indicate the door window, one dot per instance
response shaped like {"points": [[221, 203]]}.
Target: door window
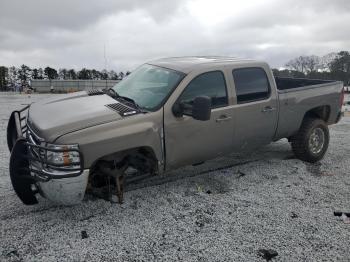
{"points": [[211, 84], [251, 84]]}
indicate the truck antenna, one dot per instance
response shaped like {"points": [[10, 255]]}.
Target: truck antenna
{"points": [[105, 58]]}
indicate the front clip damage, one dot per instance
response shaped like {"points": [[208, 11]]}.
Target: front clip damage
{"points": [[108, 175], [114, 175]]}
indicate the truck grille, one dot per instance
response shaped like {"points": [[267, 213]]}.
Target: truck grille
{"points": [[35, 151], [36, 140], [123, 110]]}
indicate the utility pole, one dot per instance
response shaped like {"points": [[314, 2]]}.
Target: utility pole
{"points": [[105, 58]]}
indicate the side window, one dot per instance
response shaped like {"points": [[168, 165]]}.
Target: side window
{"points": [[210, 84], [251, 84]]}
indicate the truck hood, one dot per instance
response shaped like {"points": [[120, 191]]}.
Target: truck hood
{"points": [[54, 117]]}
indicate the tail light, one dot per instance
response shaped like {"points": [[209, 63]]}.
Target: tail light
{"points": [[342, 96]]}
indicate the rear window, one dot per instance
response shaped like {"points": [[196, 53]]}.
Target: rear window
{"points": [[251, 84]]}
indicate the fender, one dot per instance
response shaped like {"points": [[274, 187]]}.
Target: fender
{"points": [[98, 141]]}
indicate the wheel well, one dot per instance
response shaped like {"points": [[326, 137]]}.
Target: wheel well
{"points": [[322, 112], [142, 158], [110, 171]]}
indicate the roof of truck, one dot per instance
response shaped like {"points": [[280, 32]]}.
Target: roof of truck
{"points": [[188, 63]]}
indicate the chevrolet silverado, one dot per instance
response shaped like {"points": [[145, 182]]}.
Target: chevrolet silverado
{"points": [[166, 114]]}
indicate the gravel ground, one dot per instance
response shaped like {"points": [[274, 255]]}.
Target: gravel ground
{"points": [[264, 200]]}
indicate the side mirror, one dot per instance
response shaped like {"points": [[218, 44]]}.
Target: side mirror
{"points": [[200, 109]]}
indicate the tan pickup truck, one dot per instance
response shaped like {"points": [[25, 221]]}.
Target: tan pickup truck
{"points": [[166, 114]]}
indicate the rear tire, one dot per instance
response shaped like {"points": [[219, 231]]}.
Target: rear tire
{"points": [[311, 142]]}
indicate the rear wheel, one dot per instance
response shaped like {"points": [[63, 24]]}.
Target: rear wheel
{"points": [[311, 142]]}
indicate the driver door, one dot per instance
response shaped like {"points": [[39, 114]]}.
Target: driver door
{"points": [[190, 141]]}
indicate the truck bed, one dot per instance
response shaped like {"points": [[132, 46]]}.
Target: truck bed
{"points": [[284, 83], [299, 96]]}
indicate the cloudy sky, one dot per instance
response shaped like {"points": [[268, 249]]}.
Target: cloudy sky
{"points": [[74, 34]]}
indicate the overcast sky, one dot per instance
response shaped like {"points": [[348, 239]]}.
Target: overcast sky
{"points": [[73, 34]]}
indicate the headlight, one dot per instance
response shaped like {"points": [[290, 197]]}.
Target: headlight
{"points": [[66, 156]]}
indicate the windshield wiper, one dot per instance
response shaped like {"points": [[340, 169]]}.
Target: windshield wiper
{"points": [[132, 101], [111, 92]]}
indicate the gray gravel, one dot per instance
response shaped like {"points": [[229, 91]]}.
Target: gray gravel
{"points": [[266, 200]]}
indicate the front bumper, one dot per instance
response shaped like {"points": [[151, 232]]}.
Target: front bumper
{"points": [[32, 173], [65, 191]]}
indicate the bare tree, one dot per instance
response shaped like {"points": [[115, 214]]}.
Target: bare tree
{"points": [[63, 73], [3, 77], [312, 63], [12, 76], [304, 64]]}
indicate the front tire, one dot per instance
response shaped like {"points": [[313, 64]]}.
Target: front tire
{"points": [[311, 142]]}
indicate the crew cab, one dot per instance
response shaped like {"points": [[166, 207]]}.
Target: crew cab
{"points": [[166, 114]]}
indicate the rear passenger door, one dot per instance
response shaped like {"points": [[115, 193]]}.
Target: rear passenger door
{"points": [[256, 108]]}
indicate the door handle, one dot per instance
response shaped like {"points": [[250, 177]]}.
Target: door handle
{"points": [[267, 109], [223, 118]]}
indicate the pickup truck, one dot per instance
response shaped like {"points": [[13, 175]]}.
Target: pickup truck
{"points": [[166, 114]]}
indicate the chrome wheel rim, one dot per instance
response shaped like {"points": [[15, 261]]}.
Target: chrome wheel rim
{"points": [[316, 140]]}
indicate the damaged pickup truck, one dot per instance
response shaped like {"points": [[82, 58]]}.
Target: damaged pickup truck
{"points": [[166, 114]]}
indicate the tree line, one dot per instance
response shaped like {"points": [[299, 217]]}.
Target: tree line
{"points": [[21, 76], [333, 66]]}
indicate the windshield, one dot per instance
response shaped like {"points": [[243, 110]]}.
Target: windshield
{"points": [[149, 85]]}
